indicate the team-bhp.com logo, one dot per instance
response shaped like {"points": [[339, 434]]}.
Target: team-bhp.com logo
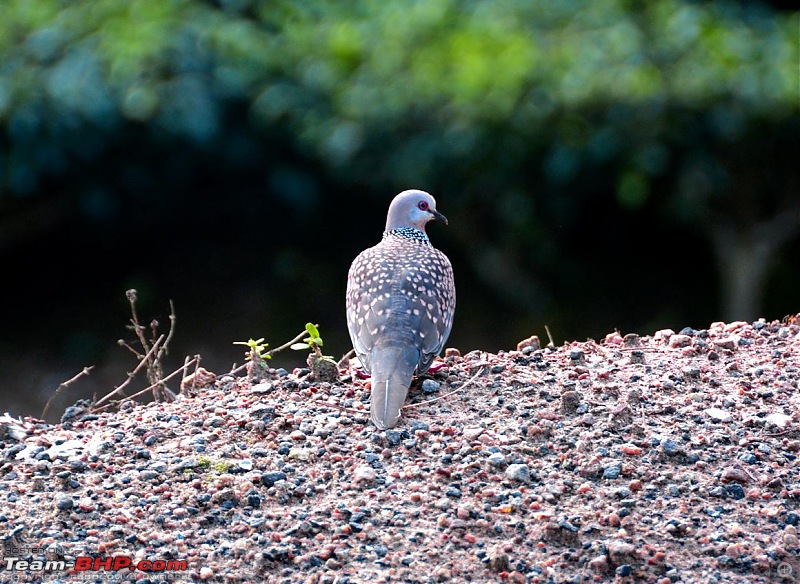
{"points": [[85, 563], [90, 564]]}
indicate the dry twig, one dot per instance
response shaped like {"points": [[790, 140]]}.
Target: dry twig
{"points": [[132, 374], [152, 360], [552, 343], [65, 385], [146, 389], [186, 363]]}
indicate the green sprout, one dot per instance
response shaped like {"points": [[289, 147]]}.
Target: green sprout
{"points": [[258, 349], [322, 366], [313, 341], [256, 356]]}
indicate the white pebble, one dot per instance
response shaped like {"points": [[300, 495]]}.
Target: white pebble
{"points": [[779, 420], [364, 474], [718, 415], [206, 573]]}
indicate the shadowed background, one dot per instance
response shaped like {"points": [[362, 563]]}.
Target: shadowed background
{"points": [[603, 165]]}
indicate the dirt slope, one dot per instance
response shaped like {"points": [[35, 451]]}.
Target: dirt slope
{"points": [[671, 458]]}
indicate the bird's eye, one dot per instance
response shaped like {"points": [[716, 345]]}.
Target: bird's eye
{"points": [[423, 205]]}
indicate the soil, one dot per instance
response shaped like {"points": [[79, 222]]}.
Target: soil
{"points": [[663, 458]]}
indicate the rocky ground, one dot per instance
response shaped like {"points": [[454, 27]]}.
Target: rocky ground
{"points": [[670, 458]]}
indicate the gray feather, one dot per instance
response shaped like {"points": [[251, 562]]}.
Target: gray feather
{"points": [[394, 367]]}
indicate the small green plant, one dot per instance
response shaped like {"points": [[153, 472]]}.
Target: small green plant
{"points": [[323, 367], [258, 349], [205, 463], [222, 467], [313, 341], [256, 356]]}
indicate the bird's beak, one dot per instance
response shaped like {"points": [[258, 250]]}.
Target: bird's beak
{"points": [[439, 217]]}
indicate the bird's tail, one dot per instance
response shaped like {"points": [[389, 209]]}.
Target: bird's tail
{"points": [[392, 369]]}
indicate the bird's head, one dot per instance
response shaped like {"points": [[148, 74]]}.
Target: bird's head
{"points": [[413, 208]]}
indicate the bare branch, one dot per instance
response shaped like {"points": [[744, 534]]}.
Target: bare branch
{"points": [[172, 321], [65, 385], [145, 390], [551, 344], [186, 363], [144, 360], [289, 344], [137, 328], [236, 369], [167, 378]]}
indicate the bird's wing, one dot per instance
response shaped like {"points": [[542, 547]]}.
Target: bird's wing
{"points": [[439, 303], [366, 304], [400, 305]]}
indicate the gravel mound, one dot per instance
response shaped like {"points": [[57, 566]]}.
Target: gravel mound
{"points": [[667, 458]]}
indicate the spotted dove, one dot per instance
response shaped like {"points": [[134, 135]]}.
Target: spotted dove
{"points": [[400, 303]]}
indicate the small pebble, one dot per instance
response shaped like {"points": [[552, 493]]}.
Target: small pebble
{"points": [[64, 503], [670, 447], [393, 437], [518, 472], [430, 386], [497, 459], [612, 471], [718, 415], [620, 551], [679, 341], [206, 573], [270, 478], [443, 504], [631, 340], [577, 356], [728, 343], [364, 474], [778, 420], [472, 433], [623, 570]]}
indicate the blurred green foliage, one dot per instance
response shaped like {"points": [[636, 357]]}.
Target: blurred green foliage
{"points": [[580, 81]]}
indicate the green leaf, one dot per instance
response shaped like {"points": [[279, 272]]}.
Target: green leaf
{"points": [[312, 330], [252, 344], [300, 346]]}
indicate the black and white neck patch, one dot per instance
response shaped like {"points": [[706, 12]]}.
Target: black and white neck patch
{"points": [[407, 233]]}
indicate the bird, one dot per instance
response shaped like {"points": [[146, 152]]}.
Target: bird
{"points": [[400, 303]]}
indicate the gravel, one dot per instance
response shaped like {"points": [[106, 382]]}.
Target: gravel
{"points": [[663, 458]]}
